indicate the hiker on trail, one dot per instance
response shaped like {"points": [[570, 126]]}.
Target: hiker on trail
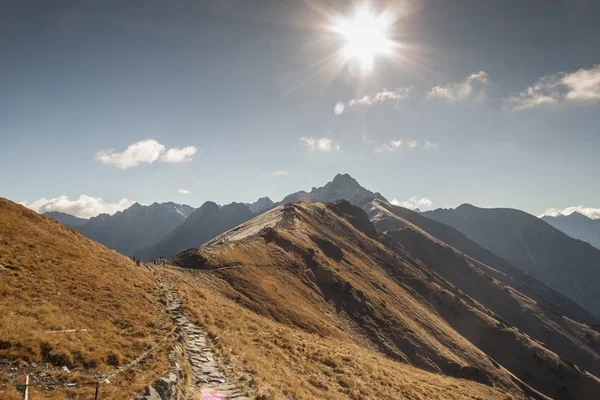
{"points": [[137, 263]]}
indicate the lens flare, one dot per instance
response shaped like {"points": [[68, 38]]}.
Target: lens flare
{"points": [[366, 36]]}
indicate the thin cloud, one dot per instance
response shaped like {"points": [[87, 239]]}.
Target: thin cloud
{"points": [[177, 156], [84, 207], [324, 145], [145, 152], [430, 145], [183, 191], [281, 172], [393, 145], [473, 87], [413, 203], [593, 213], [384, 96], [581, 86]]}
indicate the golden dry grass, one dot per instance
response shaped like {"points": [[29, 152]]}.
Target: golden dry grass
{"points": [[286, 362], [52, 278]]}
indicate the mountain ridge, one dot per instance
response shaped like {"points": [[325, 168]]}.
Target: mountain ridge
{"points": [[567, 265]]}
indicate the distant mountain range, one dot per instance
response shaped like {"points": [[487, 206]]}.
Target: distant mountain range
{"points": [[202, 225], [68, 220], [577, 226], [567, 265], [136, 227]]}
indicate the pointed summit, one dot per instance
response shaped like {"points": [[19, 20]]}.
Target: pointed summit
{"points": [[342, 187]]}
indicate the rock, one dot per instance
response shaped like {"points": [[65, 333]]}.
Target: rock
{"points": [[151, 394]]}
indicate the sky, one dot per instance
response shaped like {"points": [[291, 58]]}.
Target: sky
{"points": [[447, 102]]}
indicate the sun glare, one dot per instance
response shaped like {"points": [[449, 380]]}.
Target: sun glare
{"points": [[366, 36]]}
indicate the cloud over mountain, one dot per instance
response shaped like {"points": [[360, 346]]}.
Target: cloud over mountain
{"points": [[581, 86], [145, 152], [593, 213], [473, 87], [84, 207], [324, 145], [412, 203], [384, 96]]}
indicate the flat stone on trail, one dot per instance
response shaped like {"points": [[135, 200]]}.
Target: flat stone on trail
{"points": [[207, 382]]}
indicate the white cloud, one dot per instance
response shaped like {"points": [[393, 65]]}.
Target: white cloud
{"points": [[176, 155], [145, 152], [339, 108], [430, 145], [393, 145], [581, 86], [324, 145], [383, 96], [281, 172], [83, 207], [593, 213], [471, 88], [412, 203], [183, 191]]}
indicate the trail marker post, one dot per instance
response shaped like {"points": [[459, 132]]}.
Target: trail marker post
{"points": [[26, 394], [97, 387]]}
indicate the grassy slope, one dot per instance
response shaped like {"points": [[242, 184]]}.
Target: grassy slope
{"points": [[53, 278], [325, 362]]}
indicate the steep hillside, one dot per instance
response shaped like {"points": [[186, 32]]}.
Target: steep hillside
{"points": [[323, 269], [54, 279], [137, 227], [577, 226], [535, 315], [202, 225], [567, 265], [386, 216], [68, 220]]}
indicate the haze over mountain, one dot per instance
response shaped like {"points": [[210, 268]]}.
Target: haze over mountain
{"points": [[324, 268], [567, 265], [577, 226], [67, 220], [136, 227]]}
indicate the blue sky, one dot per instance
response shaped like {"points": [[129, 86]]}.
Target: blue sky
{"points": [[491, 103]]}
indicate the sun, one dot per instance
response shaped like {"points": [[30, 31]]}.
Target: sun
{"points": [[366, 36]]}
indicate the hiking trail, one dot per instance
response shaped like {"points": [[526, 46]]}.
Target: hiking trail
{"points": [[205, 380]]}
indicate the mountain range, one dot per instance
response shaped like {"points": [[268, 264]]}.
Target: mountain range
{"points": [[132, 229], [513, 244], [577, 226]]}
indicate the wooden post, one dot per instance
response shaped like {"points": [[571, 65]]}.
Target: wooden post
{"points": [[97, 387], [26, 395]]}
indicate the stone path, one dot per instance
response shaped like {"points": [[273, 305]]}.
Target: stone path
{"points": [[206, 380]]}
